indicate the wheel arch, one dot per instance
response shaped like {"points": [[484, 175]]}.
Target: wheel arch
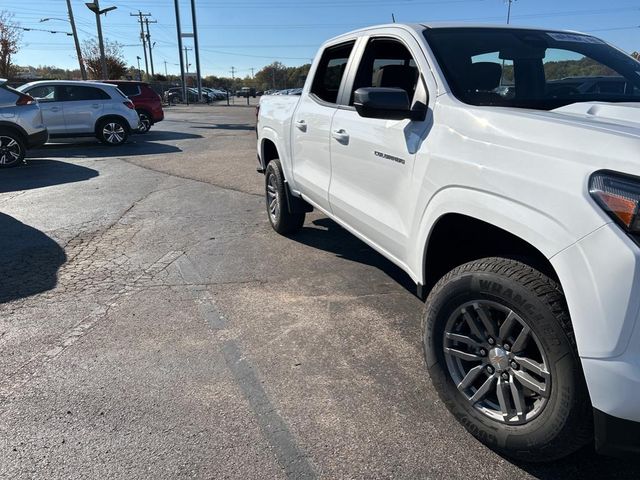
{"points": [[8, 126], [448, 247], [268, 151]]}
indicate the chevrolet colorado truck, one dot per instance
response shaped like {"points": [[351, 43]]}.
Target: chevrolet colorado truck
{"points": [[500, 168]]}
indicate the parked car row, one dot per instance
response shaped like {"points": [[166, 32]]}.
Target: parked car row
{"points": [[38, 111], [175, 95], [288, 91]]}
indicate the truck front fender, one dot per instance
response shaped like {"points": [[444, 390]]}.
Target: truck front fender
{"points": [[541, 231]]}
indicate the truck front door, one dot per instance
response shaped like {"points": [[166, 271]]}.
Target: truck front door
{"points": [[373, 159]]}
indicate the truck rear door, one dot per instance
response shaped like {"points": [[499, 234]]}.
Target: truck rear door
{"points": [[312, 124]]}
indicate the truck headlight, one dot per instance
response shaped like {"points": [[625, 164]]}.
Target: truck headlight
{"points": [[618, 195]]}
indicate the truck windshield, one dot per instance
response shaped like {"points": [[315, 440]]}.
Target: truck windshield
{"points": [[532, 68]]}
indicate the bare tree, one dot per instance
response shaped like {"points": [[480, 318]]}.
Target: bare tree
{"points": [[113, 53], [10, 36], [636, 55]]}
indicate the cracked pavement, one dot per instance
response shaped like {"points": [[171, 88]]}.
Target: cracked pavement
{"points": [[152, 325]]}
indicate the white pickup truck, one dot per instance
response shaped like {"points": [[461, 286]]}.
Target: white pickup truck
{"points": [[500, 168]]}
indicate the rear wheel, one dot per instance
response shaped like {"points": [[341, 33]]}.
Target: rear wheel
{"points": [[145, 122], [12, 149], [112, 132], [501, 354], [282, 220]]}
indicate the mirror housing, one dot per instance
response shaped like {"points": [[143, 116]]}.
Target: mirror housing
{"points": [[386, 104]]}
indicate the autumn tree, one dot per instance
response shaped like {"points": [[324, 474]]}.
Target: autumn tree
{"points": [[116, 65], [636, 55], [10, 36], [278, 75]]}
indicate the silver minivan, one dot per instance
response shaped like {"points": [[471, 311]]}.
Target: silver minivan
{"points": [[79, 109]]}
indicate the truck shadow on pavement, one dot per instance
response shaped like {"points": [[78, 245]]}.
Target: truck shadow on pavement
{"points": [[43, 173], [585, 464], [29, 262], [331, 237]]}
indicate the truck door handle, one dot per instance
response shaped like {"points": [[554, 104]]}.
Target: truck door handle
{"points": [[341, 136], [95, 105], [301, 125], [55, 109]]}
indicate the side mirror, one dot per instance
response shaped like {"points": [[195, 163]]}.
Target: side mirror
{"points": [[385, 103]]}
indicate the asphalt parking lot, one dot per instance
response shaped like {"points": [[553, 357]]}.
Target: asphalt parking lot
{"points": [[152, 325]]}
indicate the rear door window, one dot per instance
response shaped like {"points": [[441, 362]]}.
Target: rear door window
{"points": [[75, 93], [44, 93], [330, 72]]}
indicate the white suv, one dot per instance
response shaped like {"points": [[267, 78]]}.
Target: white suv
{"points": [[79, 109]]}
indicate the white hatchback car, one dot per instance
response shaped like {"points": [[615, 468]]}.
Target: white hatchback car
{"points": [[79, 109]]}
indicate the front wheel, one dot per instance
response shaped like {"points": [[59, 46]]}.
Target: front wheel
{"points": [[12, 149], [501, 354], [112, 132], [282, 220]]}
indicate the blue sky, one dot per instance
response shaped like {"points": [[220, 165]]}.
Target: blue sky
{"points": [[249, 34]]}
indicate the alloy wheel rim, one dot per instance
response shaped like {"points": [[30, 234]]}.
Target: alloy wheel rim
{"points": [[497, 362], [10, 150], [273, 202], [145, 123], [113, 132]]}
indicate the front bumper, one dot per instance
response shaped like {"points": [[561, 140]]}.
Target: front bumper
{"points": [[616, 436], [38, 139], [600, 276]]}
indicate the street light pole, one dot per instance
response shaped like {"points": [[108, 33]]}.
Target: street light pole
{"points": [[184, 80], [95, 8], [197, 49], [83, 71], [139, 71]]}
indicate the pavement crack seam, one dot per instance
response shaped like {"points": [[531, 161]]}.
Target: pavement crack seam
{"points": [[184, 177], [274, 428]]}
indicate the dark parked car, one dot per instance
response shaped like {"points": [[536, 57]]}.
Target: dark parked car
{"points": [[146, 101]]}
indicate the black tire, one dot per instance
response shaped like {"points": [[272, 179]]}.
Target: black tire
{"points": [[563, 422], [145, 122], [12, 149], [112, 131], [282, 221]]}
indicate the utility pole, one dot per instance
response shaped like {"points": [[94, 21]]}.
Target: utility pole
{"points": [[147, 22], [95, 8], [509, 11], [252, 75], [166, 73], [184, 83], [233, 73], [140, 16], [186, 57], [83, 71], [197, 49], [186, 61], [139, 71]]}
